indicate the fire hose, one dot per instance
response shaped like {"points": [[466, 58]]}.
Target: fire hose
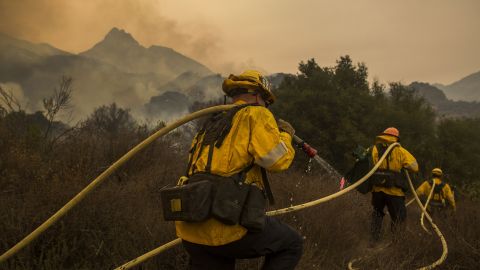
{"points": [[434, 226], [170, 244], [425, 207], [97, 181], [82, 194], [311, 153], [444, 255]]}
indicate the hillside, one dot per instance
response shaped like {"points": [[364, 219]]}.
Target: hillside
{"points": [[19, 50], [18, 56], [466, 89], [121, 50], [444, 106], [179, 94], [117, 69]]}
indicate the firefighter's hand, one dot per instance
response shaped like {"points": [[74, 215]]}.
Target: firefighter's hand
{"points": [[286, 127]]}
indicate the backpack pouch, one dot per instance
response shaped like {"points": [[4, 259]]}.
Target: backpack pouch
{"points": [[228, 201], [253, 214], [190, 202]]}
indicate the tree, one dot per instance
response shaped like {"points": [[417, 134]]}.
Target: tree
{"points": [[459, 151], [8, 102], [113, 124], [335, 109], [58, 101]]}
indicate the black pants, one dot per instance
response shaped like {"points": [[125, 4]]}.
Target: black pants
{"points": [[396, 209], [280, 244]]}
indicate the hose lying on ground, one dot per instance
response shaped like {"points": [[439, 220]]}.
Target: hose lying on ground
{"points": [[435, 228], [79, 197], [439, 233], [170, 244]]}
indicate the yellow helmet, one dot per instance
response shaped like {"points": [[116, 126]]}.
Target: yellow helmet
{"points": [[250, 81], [437, 172]]}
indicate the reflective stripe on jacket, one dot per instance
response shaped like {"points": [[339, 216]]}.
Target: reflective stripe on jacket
{"points": [[253, 137], [399, 158], [446, 193]]}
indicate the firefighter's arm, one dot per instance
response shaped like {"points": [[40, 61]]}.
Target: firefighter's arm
{"points": [[422, 190], [448, 194], [270, 148], [408, 161]]}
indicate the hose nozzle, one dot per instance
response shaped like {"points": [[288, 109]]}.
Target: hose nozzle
{"points": [[310, 151]]}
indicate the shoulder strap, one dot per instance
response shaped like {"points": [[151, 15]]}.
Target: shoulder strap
{"points": [[191, 153], [266, 185], [438, 188], [208, 167], [214, 131], [381, 148]]}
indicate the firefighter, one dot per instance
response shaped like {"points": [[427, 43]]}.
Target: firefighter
{"points": [[255, 143], [442, 197], [389, 183]]}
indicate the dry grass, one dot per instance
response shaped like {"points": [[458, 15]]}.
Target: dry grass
{"points": [[338, 231], [122, 218]]}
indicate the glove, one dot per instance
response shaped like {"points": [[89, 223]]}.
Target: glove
{"points": [[286, 127]]}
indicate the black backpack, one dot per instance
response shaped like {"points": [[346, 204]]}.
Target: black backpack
{"points": [[438, 190], [363, 164]]}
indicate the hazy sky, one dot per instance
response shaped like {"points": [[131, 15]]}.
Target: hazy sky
{"points": [[402, 40]]}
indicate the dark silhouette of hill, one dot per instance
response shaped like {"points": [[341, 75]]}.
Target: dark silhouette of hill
{"points": [[24, 51], [444, 106], [167, 104], [188, 88], [466, 89], [147, 80], [18, 56], [120, 49], [117, 69]]}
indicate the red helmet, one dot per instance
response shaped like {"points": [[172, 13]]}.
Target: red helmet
{"points": [[392, 132]]}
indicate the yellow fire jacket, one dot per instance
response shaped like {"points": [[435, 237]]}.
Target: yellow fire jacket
{"points": [[399, 158], [254, 137], [446, 193]]}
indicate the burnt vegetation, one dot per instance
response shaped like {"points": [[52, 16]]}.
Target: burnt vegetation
{"points": [[44, 163]]}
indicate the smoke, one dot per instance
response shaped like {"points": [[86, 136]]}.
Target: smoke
{"points": [[231, 67], [76, 26], [19, 96]]}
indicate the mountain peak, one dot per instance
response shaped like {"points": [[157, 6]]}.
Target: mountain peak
{"points": [[121, 50], [120, 36]]}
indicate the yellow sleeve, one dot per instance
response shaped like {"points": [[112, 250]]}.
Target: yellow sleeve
{"points": [[448, 194], [423, 189], [270, 148], [408, 161]]}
